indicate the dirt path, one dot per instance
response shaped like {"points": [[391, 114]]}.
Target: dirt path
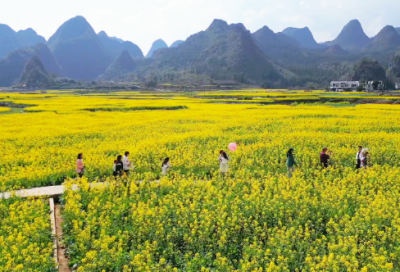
{"points": [[62, 260]]}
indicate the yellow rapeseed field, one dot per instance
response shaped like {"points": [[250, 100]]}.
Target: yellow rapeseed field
{"points": [[253, 219], [25, 236], [40, 148]]}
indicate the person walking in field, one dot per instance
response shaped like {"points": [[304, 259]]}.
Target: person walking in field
{"points": [[127, 164], [80, 167], [290, 162], [165, 166], [118, 167], [364, 158], [115, 166], [325, 156], [358, 157], [223, 162]]}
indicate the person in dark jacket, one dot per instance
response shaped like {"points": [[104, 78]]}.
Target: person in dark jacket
{"points": [[290, 162], [358, 157], [325, 157], [118, 167]]}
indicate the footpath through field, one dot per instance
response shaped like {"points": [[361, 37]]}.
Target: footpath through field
{"points": [[49, 191], [41, 191], [55, 215]]}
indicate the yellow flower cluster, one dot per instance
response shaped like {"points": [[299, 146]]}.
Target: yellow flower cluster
{"points": [[329, 220], [4, 109], [25, 236]]}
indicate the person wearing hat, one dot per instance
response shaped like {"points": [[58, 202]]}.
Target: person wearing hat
{"points": [[290, 162]]}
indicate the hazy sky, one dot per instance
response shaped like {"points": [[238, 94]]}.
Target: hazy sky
{"points": [[144, 21]]}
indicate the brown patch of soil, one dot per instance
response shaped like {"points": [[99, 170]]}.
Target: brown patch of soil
{"points": [[63, 261]]}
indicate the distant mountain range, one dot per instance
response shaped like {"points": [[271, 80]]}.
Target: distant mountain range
{"points": [[176, 43], [11, 40], [123, 65], [35, 74], [220, 53], [115, 46], [276, 46], [388, 39], [12, 67], [79, 50], [352, 37], [159, 44], [303, 36]]}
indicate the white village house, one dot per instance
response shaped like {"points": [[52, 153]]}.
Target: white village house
{"points": [[353, 86], [341, 86]]}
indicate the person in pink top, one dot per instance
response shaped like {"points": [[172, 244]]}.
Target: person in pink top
{"points": [[80, 167]]}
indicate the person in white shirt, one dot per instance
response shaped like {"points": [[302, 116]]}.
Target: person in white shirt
{"points": [[358, 157], [127, 164], [223, 162], [165, 166]]}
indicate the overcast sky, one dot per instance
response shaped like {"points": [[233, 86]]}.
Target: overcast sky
{"points": [[144, 21]]}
